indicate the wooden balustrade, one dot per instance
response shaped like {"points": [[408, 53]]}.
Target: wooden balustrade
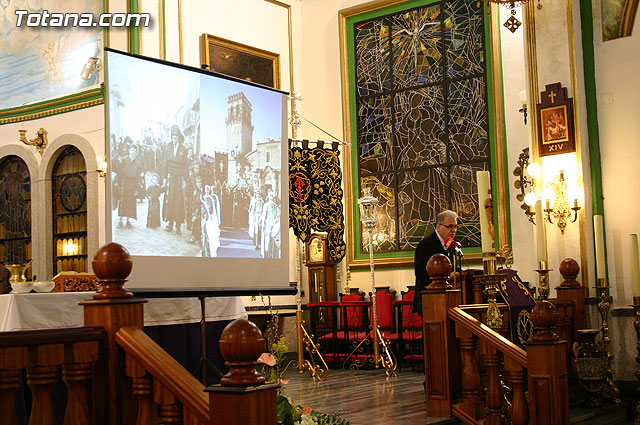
{"points": [[42, 353], [541, 369], [157, 377]]}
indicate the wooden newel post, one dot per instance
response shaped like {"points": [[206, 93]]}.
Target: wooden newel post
{"points": [[547, 369], [571, 289], [242, 397], [441, 351], [113, 307]]}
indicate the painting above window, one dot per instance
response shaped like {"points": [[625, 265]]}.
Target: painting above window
{"points": [[421, 121]]}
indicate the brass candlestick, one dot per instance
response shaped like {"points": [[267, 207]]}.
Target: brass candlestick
{"points": [[609, 390], [543, 280], [636, 324]]}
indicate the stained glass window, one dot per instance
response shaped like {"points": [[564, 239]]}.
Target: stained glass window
{"points": [[15, 215], [69, 190], [421, 111]]}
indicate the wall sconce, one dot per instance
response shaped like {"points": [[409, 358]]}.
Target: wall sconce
{"points": [[557, 203], [527, 197], [40, 141], [102, 166], [523, 100], [92, 64], [555, 195]]}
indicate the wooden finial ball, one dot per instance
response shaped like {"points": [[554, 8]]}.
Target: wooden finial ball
{"points": [[112, 262], [241, 340], [569, 268], [439, 266], [544, 314]]}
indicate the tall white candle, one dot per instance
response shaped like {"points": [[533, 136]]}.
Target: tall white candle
{"points": [[598, 234], [635, 264], [541, 233], [484, 190]]}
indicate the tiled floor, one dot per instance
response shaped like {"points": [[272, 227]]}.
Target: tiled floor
{"points": [[364, 397]]}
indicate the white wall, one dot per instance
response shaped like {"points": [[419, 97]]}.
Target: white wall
{"points": [[618, 95]]}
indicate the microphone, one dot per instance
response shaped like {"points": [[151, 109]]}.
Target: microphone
{"points": [[450, 243]]}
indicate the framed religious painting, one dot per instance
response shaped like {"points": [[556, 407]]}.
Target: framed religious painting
{"points": [[241, 61], [555, 121]]}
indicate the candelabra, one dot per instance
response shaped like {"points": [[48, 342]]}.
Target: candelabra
{"points": [[559, 209], [543, 280], [609, 390], [490, 280], [382, 354], [636, 324]]}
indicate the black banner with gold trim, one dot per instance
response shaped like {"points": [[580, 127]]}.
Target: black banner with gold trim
{"points": [[315, 195]]}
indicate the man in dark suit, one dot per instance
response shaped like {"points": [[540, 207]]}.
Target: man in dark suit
{"points": [[446, 226], [174, 172]]}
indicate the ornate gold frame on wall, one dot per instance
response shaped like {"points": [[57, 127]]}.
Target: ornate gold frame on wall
{"points": [[500, 195], [252, 53]]}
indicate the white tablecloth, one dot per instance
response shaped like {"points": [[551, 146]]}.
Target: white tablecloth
{"points": [[62, 310]]}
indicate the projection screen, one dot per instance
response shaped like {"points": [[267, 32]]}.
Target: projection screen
{"points": [[198, 177]]}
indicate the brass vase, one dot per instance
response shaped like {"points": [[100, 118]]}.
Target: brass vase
{"points": [[591, 365], [18, 272]]}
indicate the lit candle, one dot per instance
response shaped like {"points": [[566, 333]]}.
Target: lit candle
{"points": [[598, 235], [635, 265], [541, 234], [484, 190]]}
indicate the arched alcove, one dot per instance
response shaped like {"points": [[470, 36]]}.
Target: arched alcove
{"points": [[45, 221]]}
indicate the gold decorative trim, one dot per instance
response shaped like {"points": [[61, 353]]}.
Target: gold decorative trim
{"points": [[180, 39], [290, 35], [405, 262], [51, 111], [584, 263], [140, 29], [161, 29], [498, 126], [346, 125]]}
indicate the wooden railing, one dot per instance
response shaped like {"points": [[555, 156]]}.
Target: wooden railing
{"points": [[116, 375], [157, 378], [469, 331], [77, 352], [468, 365]]}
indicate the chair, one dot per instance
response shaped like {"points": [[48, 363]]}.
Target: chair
{"points": [[384, 307], [408, 339], [324, 327]]}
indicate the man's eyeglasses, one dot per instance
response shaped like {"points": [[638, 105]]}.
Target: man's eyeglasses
{"points": [[450, 226]]}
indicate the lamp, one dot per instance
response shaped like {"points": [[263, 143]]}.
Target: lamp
{"points": [[555, 195], [92, 64], [523, 100], [368, 219], [102, 166], [557, 203], [512, 24]]}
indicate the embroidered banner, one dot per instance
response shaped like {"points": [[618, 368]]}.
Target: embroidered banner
{"points": [[315, 195], [520, 302]]}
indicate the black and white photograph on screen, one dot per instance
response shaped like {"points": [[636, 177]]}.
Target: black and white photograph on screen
{"points": [[197, 174]]}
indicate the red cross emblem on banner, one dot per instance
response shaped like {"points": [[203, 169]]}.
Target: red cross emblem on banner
{"points": [[299, 187]]}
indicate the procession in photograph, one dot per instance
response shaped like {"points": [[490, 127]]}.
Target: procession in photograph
{"points": [[181, 187]]}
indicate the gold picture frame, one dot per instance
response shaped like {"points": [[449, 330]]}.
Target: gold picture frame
{"points": [[241, 61]]}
